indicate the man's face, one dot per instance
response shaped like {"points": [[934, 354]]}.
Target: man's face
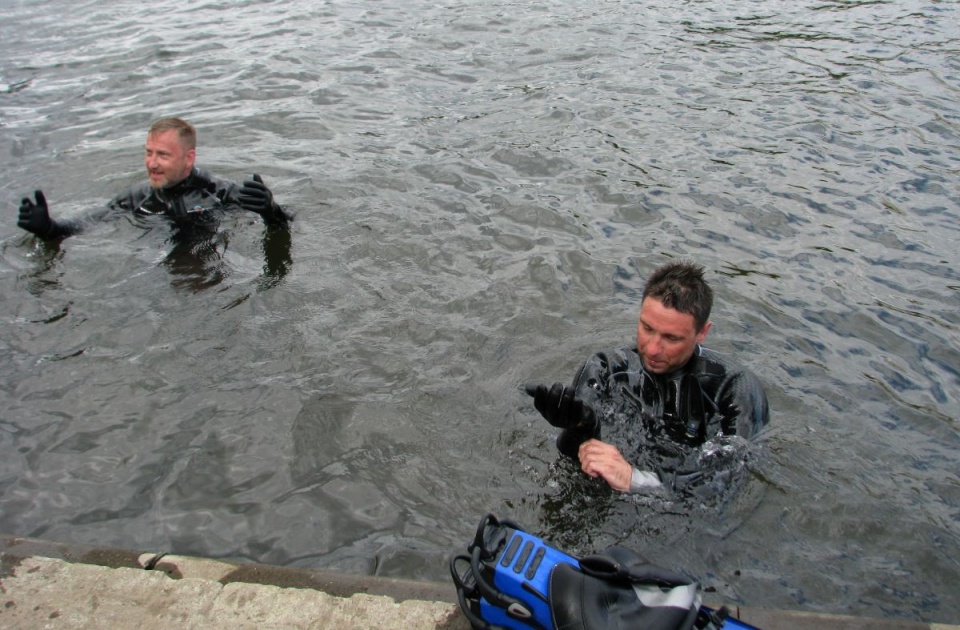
{"points": [[166, 159], [666, 338]]}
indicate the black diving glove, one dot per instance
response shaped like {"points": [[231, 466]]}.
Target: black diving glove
{"points": [[561, 408], [256, 197], [35, 217]]}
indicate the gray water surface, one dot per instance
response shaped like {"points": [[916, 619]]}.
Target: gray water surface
{"points": [[482, 189]]}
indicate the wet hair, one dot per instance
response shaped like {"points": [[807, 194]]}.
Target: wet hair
{"points": [[680, 286], [185, 131]]}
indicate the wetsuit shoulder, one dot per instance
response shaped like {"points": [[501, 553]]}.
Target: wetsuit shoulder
{"points": [[208, 183], [130, 199], [594, 374], [736, 391]]}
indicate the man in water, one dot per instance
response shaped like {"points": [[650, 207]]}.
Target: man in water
{"points": [[660, 399], [189, 197]]}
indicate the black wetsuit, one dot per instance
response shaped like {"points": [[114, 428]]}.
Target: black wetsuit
{"points": [[196, 203], [657, 420]]}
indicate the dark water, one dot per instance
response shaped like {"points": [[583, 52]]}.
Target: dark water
{"points": [[482, 189]]}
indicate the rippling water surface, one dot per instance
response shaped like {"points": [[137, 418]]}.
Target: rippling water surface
{"points": [[481, 190]]}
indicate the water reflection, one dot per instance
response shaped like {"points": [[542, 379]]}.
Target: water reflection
{"points": [[277, 260], [44, 259], [585, 514], [197, 261]]}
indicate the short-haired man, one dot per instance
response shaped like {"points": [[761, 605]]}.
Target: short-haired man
{"points": [[177, 189], [668, 388]]}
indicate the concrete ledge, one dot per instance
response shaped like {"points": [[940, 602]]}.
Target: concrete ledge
{"points": [[53, 585], [13, 549], [51, 593]]}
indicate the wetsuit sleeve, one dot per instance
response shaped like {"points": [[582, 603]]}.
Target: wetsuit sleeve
{"points": [[65, 227], [50, 229], [127, 201], [742, 405], [590, 384], [281, 217], [644, 481], [62, 228]]}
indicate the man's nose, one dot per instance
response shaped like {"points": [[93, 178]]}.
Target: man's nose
{"points": [[653, 346]]}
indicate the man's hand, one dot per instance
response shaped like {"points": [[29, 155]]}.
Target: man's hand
{"points": [[561, 408], [256, 197], [35, 217], [599, 459]]}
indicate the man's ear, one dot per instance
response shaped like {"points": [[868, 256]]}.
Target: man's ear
{"points": [[703, 332]]}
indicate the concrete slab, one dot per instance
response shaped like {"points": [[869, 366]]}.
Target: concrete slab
{"points": [[51, 593], [53, 585]]}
